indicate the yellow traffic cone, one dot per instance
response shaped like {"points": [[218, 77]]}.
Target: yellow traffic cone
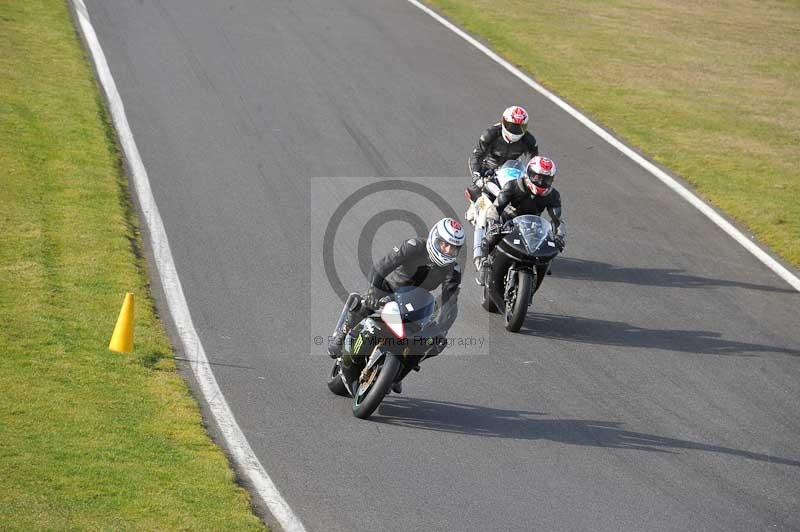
{"points": [[122, 339]]}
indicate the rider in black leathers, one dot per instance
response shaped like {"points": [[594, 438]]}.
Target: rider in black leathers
{"points": [[416, 262], [531, 194], [506, 140]]}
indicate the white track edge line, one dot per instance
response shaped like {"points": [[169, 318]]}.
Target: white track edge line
{"points": [[685, 193], [239, 448]]}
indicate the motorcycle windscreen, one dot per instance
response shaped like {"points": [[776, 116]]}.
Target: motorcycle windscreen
{"points": [[510, 171], [534, 230], [416, 305]]}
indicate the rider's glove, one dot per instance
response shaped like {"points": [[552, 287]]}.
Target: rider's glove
{"points": [[477, 179], [372, 299], [493, 227], [559, 240]]}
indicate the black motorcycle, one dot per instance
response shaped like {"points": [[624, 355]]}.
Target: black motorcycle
{"points": [[385, 346], [517, 266]]}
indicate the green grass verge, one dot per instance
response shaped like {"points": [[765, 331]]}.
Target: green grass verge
{"points": [[88, 439], [709, 89]]}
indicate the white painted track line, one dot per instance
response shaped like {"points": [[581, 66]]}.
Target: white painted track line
{"points": [[685, 193], [235, 440]]}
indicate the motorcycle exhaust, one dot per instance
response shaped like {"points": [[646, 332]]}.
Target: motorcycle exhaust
{"points": [[351, 304]]}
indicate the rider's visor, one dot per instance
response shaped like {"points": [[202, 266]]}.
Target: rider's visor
{"points": [[543, 181], [446, 248], [514, 129]]}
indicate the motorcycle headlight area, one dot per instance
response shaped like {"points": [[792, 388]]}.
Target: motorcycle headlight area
{"points": [[391, 316]]}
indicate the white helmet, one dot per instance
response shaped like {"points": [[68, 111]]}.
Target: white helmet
{"points": [[444, 241], [514, 123]]}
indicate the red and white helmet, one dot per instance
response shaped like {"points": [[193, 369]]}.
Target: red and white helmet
{"points": [[444, 241], [514, 123], [539, 175]]}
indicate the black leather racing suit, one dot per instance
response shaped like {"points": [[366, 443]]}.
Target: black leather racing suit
{"points": [[515, 200], [409, 265], [492, 150]]}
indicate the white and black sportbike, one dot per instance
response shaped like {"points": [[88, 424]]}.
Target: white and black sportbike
{"points": [[385, 346], [479, 198], [517, 266]]}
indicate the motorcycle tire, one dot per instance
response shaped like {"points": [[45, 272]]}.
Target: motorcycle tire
{"points": [[515, 316], [335, 382], [486, 302], [365, 403]]}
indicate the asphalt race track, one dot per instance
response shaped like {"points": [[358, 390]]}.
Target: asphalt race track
{"points": [[654, 385]]}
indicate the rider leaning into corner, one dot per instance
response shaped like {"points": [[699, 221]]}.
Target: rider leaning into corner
{"points": [[533, 193], [506, 140], [427, 263]]}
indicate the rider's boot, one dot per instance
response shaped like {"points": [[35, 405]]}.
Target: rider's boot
{"points": [[351, 315], [482, 265], [397, 387], [337, 343]]}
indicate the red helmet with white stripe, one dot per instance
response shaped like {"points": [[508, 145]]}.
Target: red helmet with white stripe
{"points": [[444, 241], [539, 175], [514, 123]]}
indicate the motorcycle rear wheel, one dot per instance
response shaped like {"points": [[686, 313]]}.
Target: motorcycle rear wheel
{"points": [[365, 401], [515, 315]]}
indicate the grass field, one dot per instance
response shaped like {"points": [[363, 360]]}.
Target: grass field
{"points": [[708, 89], [88, 439]]}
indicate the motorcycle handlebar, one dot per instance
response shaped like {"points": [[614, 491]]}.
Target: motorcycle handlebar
{"points": [[381, 302]]}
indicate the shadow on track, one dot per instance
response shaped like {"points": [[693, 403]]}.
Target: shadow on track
{"points": [[473, 420], [604, 332], [590, 270]]}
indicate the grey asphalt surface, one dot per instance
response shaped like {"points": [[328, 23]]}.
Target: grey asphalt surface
{"points": [[655, 383]]}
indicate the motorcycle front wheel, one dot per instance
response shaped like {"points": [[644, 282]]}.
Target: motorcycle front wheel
{"points": [[486, 302], [370, 392], [517, 306]]}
